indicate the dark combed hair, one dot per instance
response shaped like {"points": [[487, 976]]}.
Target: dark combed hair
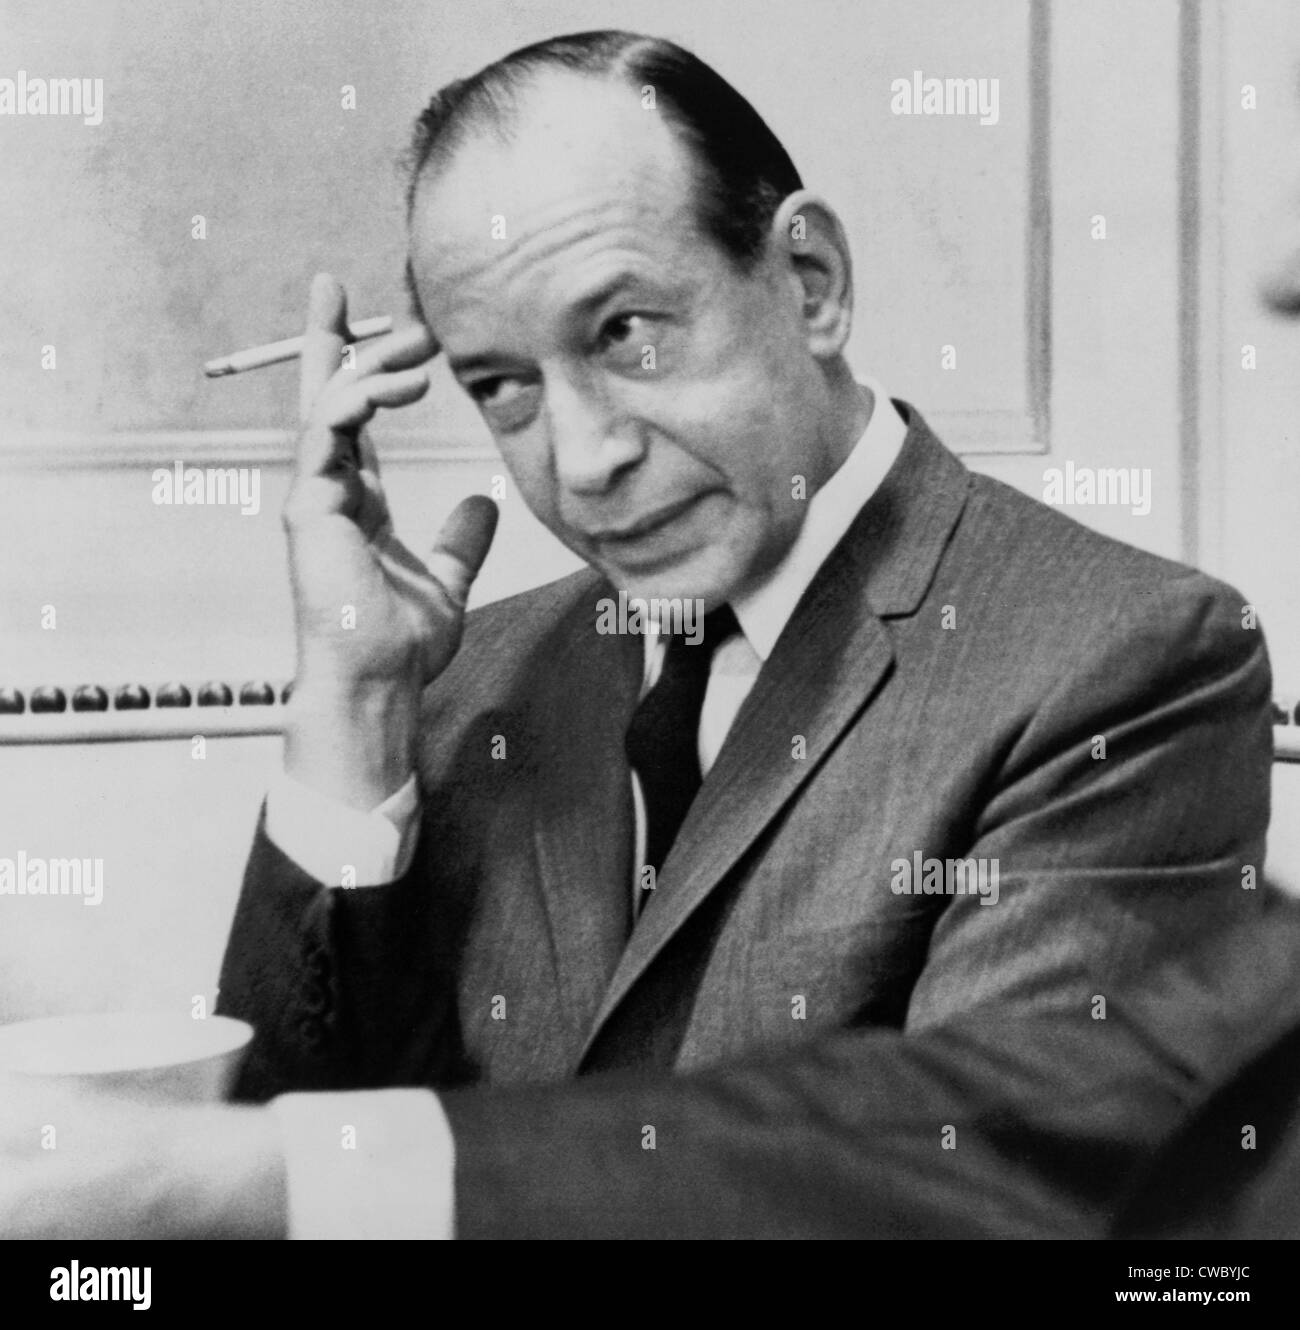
{"points": [[742, 171]]}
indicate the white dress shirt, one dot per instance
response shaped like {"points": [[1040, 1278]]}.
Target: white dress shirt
{"points": [[395, 1178]]}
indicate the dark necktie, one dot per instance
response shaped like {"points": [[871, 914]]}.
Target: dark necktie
{"points": [[663, 739]]}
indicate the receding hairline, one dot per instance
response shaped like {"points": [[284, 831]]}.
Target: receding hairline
{"points": [[737, 171], [501, 122], [502, 127]]}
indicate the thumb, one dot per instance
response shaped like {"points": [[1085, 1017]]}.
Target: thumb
{"points": [[462, 545]]}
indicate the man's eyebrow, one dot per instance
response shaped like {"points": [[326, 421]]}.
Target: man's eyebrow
{"points": [[614, 285], [574, 312], [464, 364]]}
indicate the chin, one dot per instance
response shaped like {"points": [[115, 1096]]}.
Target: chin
{"points": [[710, 576]]}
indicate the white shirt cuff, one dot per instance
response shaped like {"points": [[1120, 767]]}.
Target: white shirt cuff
{"points": [[339, 845], [367, 1164]]}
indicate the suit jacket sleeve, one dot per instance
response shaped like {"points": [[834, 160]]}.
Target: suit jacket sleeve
{"points": [[312, 969], [1011, 1103]]}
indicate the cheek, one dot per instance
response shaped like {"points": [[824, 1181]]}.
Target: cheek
{"points": [[735, 430], [533, 477], [735, 400]]}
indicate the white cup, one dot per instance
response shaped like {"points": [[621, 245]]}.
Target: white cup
{"points": [[155, 1055]]}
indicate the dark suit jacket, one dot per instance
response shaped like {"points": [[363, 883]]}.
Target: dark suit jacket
{"points": [[1233, 1169], [1120, 879]]}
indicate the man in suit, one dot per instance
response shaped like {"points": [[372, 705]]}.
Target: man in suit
{"points": [[924, 666], [918, 898]]}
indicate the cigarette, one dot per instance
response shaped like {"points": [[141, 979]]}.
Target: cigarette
{"points": [[273, 353]]}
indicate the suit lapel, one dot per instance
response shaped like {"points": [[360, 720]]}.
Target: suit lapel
{"points": [[583, 821], [830, 660]]}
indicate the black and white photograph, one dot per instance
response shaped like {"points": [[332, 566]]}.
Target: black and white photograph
{"points": [[627, 621]]}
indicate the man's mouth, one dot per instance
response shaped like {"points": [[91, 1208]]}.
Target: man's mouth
{"points": [[661, 537], [651, 523]]}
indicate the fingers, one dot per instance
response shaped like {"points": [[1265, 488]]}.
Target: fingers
{"points": [[369, 457], [337, 468], [410, 344], [389, 374], [462, 546], [329, 395], [325, 336], [444, 579], [351, 405]]}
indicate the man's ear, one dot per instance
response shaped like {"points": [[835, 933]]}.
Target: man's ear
{"points": [[807, 235]]}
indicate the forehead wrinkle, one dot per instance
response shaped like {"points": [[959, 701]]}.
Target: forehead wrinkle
{"points": [[581, 240], [542, 240], [581, 188]]}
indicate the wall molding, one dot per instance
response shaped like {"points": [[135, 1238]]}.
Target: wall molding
{"points": [[970, 433], [129, 451]]}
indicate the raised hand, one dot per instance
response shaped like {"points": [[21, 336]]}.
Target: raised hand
{"points": [[374, 623]]}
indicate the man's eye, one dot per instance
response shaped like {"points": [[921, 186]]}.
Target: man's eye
{"points": [[488, 391], [621, 328], [507, 401]]}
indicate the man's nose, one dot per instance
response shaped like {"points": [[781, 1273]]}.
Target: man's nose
{"points": [[594, 440]]}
